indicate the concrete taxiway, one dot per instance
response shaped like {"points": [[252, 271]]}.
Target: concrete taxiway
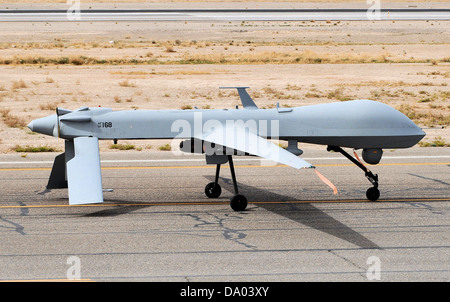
{"points": [[158, 225], [72, 14]]}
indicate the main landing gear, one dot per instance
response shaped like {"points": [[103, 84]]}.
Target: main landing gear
{"points": [[213, 190], [372, 193]]}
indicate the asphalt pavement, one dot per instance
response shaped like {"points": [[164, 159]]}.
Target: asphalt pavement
{"points": [[158, 225]]}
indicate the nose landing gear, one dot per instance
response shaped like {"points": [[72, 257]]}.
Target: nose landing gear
{"points": [[372, 193]]}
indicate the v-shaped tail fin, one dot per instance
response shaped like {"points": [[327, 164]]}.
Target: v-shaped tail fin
{"points": [[246, 100]]}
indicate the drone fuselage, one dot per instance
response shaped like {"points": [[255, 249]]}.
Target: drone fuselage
{"points": [[360, 124]]}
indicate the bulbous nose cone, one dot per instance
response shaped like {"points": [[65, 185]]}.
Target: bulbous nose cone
{"points": [[43, 125]]}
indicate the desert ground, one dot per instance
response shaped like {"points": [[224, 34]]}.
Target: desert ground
{"points": [[181, 65]]}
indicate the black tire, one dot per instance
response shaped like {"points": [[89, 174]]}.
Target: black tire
{"points": [[213, 190], [373, 194], [238, 203]]}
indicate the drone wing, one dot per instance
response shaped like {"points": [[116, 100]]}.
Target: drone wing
{"points": [[242, 139]]}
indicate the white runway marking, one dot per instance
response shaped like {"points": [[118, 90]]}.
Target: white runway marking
{"points": [[223, 15]]}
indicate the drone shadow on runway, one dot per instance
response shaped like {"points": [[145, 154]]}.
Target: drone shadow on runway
{"points": [[116, 210], [304, 213]]}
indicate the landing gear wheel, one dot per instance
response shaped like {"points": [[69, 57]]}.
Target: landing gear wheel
{"points": [[238, 202], [213, 190], [373, 194]]}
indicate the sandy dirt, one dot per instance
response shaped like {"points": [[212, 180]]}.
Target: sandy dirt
{"points": [[415, 78]]}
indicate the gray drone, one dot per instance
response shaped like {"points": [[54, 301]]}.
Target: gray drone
{"points": [[221, 134]]}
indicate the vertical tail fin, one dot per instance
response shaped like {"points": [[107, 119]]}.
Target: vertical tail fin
{"points": [[57, 178], [83, 172]]}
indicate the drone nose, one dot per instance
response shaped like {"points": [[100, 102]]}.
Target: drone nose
{"points": [[30, 126], [43, 125]]}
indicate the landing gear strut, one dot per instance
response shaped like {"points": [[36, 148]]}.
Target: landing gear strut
{"points": [[213, 190], [372, 193]]}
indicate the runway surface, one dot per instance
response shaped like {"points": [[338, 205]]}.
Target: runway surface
{"points": [[158, 225], [223, 15]]}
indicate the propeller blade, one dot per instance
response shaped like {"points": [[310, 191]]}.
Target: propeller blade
{"points": [[56, 130]]}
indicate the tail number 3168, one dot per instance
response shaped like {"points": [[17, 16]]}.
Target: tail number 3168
{"points": [[104, 124]]}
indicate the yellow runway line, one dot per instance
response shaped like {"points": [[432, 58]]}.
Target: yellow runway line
{"points": [[213, 166], [187, 203], [25, 169], [48, 280]]}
